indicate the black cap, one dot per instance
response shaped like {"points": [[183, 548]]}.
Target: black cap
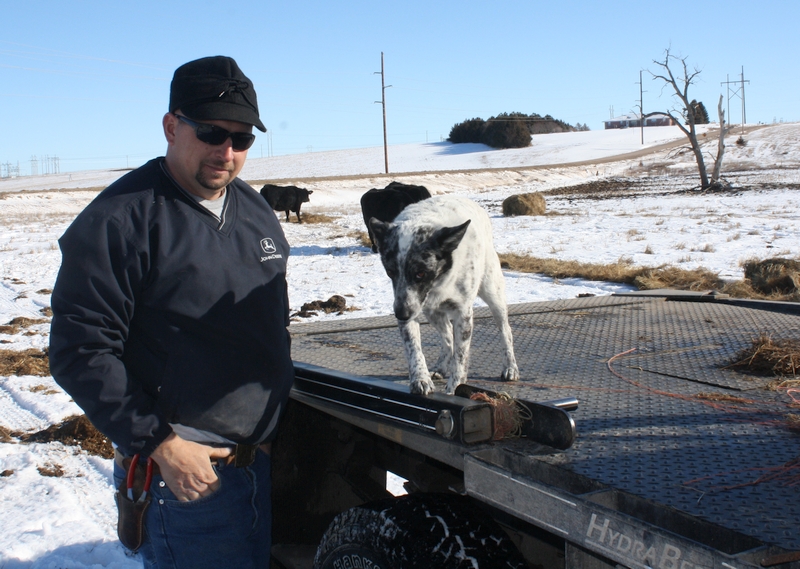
{"points": [[214, 88]]}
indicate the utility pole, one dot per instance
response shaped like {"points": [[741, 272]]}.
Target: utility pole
{"points": [[744, 114], [641, 106], [383, 104], [269, 144], [739, 92], [728, 89]]}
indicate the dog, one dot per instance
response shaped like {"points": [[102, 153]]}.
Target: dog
{"points": [[439, 255]]}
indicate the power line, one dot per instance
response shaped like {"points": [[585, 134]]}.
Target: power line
{"points": [[738, 92]]}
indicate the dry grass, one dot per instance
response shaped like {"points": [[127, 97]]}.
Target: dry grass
{"points": [[785, 383], [362, 237], [773, 276], [19, 323], [524, 204], [51, 470], [28, 362], [336, 304], [315, 218], [724, 397], [643, 278], [509, 415], [744, 289], [769, 357], [73, 431], [43, 389], [621, 271]]}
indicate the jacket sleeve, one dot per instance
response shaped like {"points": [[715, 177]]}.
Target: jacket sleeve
{"points": [[93, 302]]}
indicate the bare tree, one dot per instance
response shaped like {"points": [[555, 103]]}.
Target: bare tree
{"points": [[720, 145], [680, 85]]}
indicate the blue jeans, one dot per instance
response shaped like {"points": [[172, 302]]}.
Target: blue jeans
{"points": [[230, 528]]}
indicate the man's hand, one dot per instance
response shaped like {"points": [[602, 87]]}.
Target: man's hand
{"points": [[186, 467]]}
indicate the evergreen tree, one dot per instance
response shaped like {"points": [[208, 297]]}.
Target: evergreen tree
{"points": [[468, 131], [508, 130], [699, 112]]}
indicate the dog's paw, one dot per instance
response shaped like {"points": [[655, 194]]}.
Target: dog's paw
{"points": [[452, 383], [421, 386], [510, 374]]}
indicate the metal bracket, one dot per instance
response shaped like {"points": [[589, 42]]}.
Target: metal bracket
{"points": [[454, 418], [549, 424]]}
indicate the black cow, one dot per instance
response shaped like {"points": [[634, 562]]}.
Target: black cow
{"points": [[286, 198], [385, 204]]}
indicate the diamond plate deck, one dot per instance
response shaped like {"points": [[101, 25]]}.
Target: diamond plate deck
{"points": [[665, 422]]}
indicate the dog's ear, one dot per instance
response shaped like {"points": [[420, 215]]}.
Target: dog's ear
{"points": [[448, 239], [379, 230]]}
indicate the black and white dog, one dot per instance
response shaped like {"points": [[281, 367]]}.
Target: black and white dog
{"points": [[439, 255]]}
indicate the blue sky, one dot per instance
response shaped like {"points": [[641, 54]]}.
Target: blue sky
{"points": [[88, 81]]}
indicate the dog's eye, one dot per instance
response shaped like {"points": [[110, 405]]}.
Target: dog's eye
{"points": [[418, 276]]}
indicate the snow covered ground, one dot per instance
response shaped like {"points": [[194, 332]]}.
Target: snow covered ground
{"points": [[69, 520]]}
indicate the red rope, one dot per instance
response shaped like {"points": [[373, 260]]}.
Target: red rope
{"points": [[729, 408], [787, 474], [507, 418]]}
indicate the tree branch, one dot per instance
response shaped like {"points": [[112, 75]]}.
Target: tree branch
{"points": [[680, 86]]}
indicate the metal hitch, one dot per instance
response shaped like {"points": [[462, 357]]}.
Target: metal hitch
{"points": [[454, 418]]}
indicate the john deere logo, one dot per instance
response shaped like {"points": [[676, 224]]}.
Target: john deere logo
{"points": [[268, 246]]}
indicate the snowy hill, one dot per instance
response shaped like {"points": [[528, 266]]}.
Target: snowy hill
{"points": [[69, 520]]}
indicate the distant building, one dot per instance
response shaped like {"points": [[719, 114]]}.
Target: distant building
{"points": [[635, 121]]}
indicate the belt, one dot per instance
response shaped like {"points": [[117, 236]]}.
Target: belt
{"points": [[245, 455], [242, 455]]}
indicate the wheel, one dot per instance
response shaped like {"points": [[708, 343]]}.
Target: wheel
{"points": [[431, 531]]}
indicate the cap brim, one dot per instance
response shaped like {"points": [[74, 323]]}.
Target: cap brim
{"points": [[221, 111]]}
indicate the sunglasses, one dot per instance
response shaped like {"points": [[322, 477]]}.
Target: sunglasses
{"points": [[215, 135]]}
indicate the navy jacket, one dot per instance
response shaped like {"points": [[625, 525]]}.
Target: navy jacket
{"points": [[163, 315]]}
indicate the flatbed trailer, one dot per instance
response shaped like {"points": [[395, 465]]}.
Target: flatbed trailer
{"points": [[644, 448]]}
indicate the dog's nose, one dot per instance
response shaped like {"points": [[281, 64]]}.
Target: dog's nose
{"points": [[402, 313]]}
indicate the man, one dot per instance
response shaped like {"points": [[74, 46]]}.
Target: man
{"points": [[170, 317]]}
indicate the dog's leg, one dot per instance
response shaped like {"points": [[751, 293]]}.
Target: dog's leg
{"points": [[444, 365], [493, 294], [462, 338], [511, 371], [417, 368]]}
